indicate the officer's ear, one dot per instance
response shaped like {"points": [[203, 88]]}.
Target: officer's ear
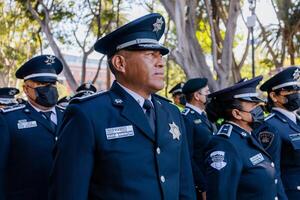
{"points": [[273, 96], [236, 114], [119, 63], [25, 88]]}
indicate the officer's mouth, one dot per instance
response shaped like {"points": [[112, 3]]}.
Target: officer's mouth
{"points": [[159, 74]]}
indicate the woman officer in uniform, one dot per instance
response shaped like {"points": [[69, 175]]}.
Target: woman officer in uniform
{"points": [[283, 100], [237, 166]]}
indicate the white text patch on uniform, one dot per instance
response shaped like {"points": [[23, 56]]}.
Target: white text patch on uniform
{"points": [[258, 158], [295, 137], [119, 132], [25, 124], [217, 158]]}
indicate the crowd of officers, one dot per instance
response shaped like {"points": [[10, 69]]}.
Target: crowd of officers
{"points": [[130, 143]]}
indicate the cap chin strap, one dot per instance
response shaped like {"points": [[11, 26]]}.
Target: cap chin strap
{"points": [[136, 41], [40, 75], [286, 84]]}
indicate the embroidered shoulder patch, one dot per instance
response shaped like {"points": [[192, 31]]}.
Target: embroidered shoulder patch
{"points": [[266, 138], [87, 97], [185, 111], [12, 108], [218, 160]]}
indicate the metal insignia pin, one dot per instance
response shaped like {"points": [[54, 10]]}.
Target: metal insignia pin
{"points": [[174, 130], [50, 60], [118, 101], [158, 24], [12, 92], [296, 74]]}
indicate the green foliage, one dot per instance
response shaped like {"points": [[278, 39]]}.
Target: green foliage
{"points": [[18, 39]]}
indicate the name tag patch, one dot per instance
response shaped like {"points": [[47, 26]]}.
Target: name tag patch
{"points": [[22, 124], [119, 132], [258, 158], [295, 137]]}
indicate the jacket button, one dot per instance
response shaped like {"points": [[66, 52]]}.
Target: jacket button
{"points": [[272, 164], [162, 179], [276, 198], [298, 187], [158, 150], [56, 138], [276, 181]]}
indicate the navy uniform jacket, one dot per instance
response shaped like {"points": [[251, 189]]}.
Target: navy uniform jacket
{"points": [[198, 135], [26, 143], [108, 151], [287, 153], [237, 167]]}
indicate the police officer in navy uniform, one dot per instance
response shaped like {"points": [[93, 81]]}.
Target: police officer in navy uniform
{"points": [[283, 99], [7, 96], [177, 95], [30, 132], [127, 143], [237, 166], [199, 129]]}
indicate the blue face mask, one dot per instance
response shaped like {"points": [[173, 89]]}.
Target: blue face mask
{"points": [[257, 114]]}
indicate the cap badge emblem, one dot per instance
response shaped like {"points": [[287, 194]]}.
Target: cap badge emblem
{"points": [[296, 74], [50, 60], [12, 92], [158, 24]]}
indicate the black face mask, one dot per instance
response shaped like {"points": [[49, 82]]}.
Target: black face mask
{"points": [[46, 95], [182, 100], [257, 114], [293, 102]]}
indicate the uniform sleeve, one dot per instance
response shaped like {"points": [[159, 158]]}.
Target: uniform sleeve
{"points": [[223, 169], [4, 149], [70, 176], [187, 189], [201, 139]]}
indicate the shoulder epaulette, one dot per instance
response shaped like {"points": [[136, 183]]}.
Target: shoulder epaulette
{"points": [[162, 98], [226, 130], [12, 108], [185, 111], [269, 116], [86, 97], [61, 107]]}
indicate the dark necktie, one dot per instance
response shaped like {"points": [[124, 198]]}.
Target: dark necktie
{"points": [[206, 120], [48, 117], [150, 115]]}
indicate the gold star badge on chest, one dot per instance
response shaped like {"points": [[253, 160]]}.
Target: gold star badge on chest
{"points": [[174, 130]]}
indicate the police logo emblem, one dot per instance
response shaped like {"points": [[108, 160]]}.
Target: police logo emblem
{"points": [[12, 92], [217, 158], [266, 138], [158, 24], [174, 130], [50, 60], [296, 74]]}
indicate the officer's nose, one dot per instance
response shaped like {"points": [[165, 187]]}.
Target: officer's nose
{"points": [[160, 61]]}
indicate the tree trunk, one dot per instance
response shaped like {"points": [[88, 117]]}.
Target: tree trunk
{"points": [[189, 54], [46, 29]]}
